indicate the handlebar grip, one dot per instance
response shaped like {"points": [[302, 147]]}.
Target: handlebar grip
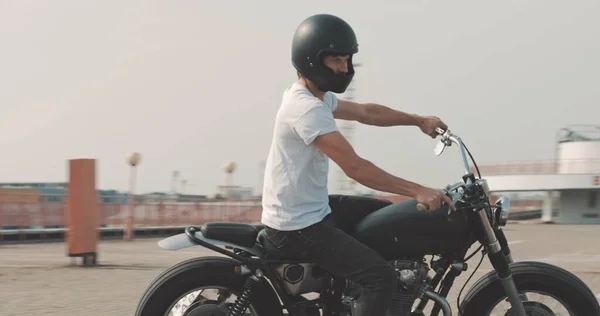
{"points": [[421, 207]]}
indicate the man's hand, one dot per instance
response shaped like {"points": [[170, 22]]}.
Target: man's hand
{"points": [[428, 125], [433, 198]]}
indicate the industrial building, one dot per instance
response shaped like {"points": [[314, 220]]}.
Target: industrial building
{"points": [[570, 182]]}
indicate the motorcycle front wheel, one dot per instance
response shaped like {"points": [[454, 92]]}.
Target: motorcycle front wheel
{"points": [[537, 277]]}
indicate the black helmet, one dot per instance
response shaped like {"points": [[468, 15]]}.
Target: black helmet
{"points": [[318, 34]]}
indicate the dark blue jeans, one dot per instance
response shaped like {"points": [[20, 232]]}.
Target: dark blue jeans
{"points": [[329, 244]]}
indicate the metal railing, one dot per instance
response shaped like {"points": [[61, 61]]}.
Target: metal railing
{"points": [[565, 166], [49, 211], [24, 214]]}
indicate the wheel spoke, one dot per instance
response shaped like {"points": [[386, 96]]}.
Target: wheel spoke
{"points": [[223, 296]]}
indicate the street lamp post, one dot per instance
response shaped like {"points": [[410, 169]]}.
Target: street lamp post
{"points": [[229, 169], [133, 160]]}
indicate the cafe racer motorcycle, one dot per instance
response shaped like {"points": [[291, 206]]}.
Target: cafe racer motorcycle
{"points": [[268, 282]]}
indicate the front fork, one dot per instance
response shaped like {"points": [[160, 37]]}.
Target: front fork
{"points": [[500, 257], [506, 250]]}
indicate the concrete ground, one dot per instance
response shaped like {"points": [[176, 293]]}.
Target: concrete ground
{"points": [[39, 279]]}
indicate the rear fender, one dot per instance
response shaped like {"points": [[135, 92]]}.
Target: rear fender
{"points": [[182, 241]]}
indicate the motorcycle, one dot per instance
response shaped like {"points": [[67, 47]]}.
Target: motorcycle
{"points": [[268, 282]]}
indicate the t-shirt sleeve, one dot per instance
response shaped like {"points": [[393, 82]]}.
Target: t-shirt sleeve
{"points": [[317, 121], [331, 100]]}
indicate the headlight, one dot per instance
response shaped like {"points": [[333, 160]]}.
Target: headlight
{"points": [[502, 207]]}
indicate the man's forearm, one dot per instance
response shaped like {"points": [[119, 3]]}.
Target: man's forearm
{"points": [[369, 175], [380, 115]]}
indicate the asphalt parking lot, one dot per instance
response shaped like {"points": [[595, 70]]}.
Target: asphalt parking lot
{"points": [[41, 279]]}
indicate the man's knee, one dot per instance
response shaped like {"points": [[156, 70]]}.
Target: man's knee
{"points": [[380, 278], [378, 290]]}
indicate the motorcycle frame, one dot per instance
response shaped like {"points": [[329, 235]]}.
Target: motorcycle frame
{"points": [[496, 246], [486, 230], [444, 273]]}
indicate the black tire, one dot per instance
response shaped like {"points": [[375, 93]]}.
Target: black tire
{"points": [[532, 276], [188, 275]]}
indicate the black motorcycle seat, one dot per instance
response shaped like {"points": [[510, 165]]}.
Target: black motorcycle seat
{"points": [[236, 233], [272, 251]]}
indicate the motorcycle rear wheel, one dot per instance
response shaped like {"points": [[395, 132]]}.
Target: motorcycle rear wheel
{"points": [[214, 272]]}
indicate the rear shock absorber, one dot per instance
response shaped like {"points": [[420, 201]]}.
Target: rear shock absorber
{"points": [[243, 301]]}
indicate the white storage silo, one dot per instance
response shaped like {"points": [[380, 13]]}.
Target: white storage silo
{"points": [[579, 150]]}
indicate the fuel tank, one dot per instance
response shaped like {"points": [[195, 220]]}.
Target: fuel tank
{"points": [[401, 231]]}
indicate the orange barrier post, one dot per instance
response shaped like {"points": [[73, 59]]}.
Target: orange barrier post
{"points": [[82, 211]]}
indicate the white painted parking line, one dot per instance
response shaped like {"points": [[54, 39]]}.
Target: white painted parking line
{"points": [[514, 242]]}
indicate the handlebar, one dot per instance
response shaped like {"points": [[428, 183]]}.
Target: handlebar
{"points": [[447, 139]]}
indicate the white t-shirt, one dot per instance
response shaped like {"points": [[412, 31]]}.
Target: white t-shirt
{"points": [[295, 191]]}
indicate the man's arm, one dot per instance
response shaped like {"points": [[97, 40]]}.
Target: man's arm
{"points": [[336, 147], [375, 114]]}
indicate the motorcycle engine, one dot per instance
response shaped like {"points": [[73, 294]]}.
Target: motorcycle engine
{"points": [[412, 278]]}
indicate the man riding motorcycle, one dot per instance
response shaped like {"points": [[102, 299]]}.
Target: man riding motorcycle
{"points": [[300, 216]]}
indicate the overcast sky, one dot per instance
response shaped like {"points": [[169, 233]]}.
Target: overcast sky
{"points": [[194, 84]]}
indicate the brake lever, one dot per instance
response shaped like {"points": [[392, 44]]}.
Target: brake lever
{"points": [[445, 141]]}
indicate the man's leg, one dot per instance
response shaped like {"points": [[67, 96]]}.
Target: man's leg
{"points": [[332, 249], [348, 210]]}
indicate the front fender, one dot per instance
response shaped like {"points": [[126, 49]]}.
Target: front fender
{"points": [[181, 241]]}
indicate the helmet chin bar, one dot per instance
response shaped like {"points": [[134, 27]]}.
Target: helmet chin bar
{"points": [[337, 84], [332, 81]]}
